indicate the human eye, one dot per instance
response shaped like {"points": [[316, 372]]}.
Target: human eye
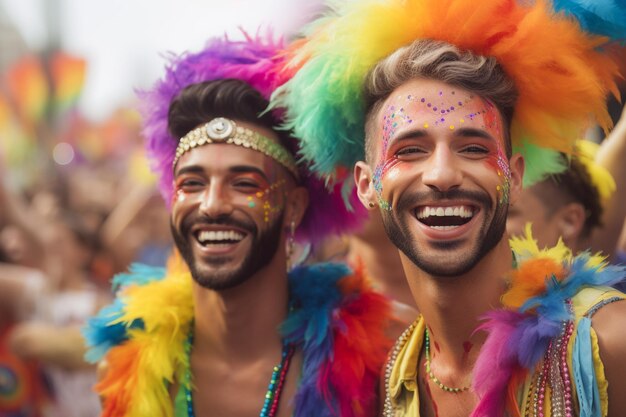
{"points": [[189, 184], [408, 151], [246, 184], [475, 150]]}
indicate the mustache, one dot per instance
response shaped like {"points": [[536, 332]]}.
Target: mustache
{"points": [[409, 201]]}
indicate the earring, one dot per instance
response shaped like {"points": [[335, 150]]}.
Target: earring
{"points": [[291, 240], [371, 205]]}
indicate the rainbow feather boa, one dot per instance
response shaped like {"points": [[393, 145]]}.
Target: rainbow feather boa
{"points": [[339, 325], [537, 301]]}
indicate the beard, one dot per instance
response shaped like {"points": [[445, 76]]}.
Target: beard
{"points": [[490, 233], [262, 250]]}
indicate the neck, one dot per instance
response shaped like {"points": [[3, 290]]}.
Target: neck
{"points": [[452, 306], [382, 265], [226, 321]]}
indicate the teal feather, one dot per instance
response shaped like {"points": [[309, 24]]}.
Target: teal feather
{"points": [[601, 17], [540, 162]]}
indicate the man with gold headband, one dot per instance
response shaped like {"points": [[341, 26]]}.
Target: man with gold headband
{"points": [[227, 330], [443, 107]]}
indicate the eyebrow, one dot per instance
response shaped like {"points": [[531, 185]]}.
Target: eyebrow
{"points": [[237, 169], [248, 169], [190, 169], [464, 132]]}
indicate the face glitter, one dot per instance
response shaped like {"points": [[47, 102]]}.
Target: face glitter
{"points": [[396, 117], [268, 209]]}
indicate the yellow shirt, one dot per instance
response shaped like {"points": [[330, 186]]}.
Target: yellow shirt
{"points": [[402, 394]]}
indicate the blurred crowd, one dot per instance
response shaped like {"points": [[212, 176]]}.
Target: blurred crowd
{"points": [[77, 205]]}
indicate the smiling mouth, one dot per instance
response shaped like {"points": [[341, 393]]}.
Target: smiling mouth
{"points": [[445, 218], [218, 238]]}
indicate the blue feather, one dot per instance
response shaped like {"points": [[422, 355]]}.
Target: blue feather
{"points": [[314, 290], [601, 17], [99, 333], [551, 307], [139, 274]]}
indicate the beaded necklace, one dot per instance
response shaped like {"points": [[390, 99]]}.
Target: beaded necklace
{"points": [[274, 389], [430, 373]]}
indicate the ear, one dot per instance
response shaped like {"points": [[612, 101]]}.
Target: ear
{"points": [[516, 182], [364, 187], [570, 221], [297, 203]]}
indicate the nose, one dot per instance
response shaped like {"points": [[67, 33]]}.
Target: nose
{"points": [[442, 171], [215, 202]]}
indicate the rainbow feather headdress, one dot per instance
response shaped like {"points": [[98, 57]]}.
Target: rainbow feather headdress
{"points": [[255, 61], [561, 71]]}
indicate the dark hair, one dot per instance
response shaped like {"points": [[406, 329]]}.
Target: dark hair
{"points": [[573, 185], [231, 98]]}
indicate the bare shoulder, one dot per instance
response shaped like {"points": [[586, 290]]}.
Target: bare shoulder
{"points": [[608, 324]]}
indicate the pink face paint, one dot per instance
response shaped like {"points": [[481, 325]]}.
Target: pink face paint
{"points": [[435, 111], [499, 162], [467, 346], [440, 108], [391, 121]]}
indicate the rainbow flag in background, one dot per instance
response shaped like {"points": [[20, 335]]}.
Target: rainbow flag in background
{"points": [[27, 84], [68, 78]]}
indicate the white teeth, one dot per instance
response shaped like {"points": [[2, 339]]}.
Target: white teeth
{"points": [[220, 235], [460, 211], [443, 227]]}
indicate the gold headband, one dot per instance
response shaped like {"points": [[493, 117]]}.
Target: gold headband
{"points": [[221, 130]]}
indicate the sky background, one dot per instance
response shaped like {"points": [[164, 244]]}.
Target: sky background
{"points": [[124, 41]]}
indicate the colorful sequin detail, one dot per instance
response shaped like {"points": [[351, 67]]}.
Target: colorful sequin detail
{"points": [[552, 378]]}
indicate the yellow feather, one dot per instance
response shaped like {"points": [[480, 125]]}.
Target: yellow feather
{"points": [[526, 247], [166, 309], [601, 178]]}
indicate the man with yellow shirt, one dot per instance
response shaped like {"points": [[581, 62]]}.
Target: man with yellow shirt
{"points": [[444, 107]]}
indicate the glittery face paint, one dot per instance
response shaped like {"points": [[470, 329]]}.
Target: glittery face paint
{"points": [[263, 198], [271, 199], [499, 162], [450, 109], [249, 188], [227, 216]]}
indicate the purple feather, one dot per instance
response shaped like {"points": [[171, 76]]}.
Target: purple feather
{"points": [[255, 61], [496, 362]]}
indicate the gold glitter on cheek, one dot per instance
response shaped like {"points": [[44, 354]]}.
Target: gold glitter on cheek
{"points": [[426, 125], [462, 121], [451, 127]]}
